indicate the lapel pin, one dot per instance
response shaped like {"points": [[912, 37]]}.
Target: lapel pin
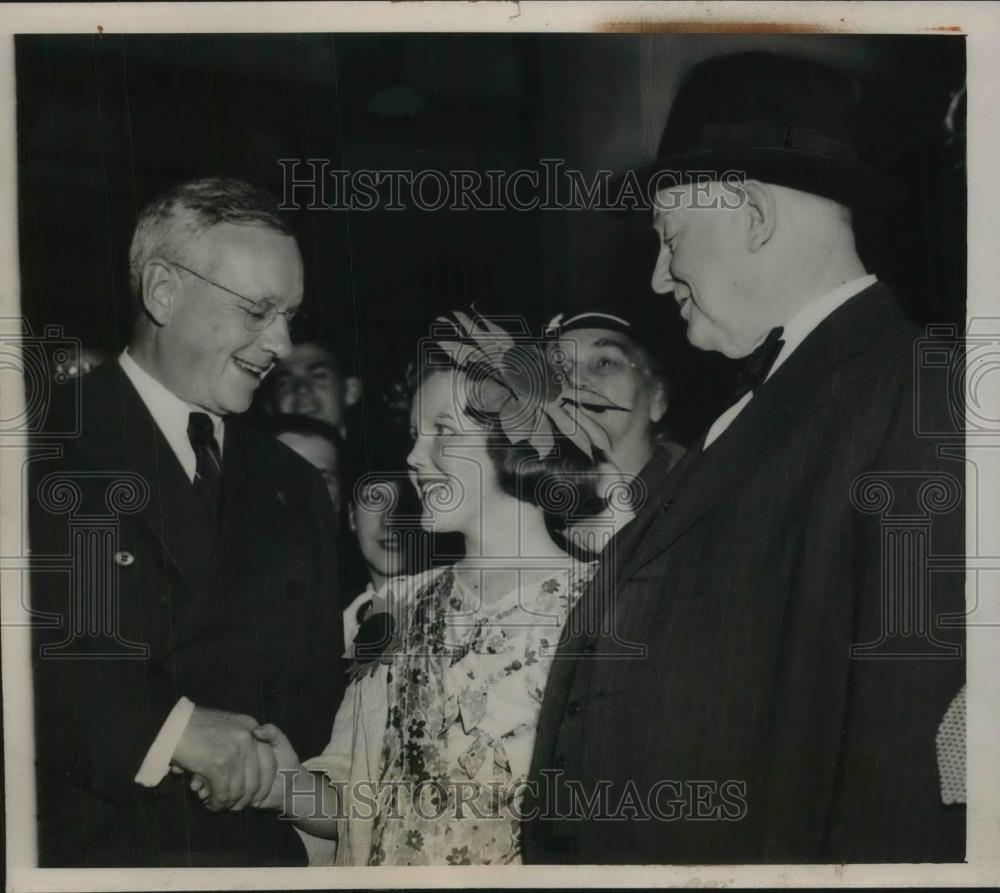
{"points": [[124, 559], [281, 497]]}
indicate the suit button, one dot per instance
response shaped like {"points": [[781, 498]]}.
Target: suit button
{"points": [[561, 761], [573, 708], [271, 690], [591, 648], [294, 589]]}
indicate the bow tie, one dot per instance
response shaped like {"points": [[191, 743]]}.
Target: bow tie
{"points": [[757, 365]]}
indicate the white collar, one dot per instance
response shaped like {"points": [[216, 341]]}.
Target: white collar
{"points": [[800, 326], [168, 411]]}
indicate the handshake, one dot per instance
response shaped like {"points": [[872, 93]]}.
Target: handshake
{"points": [[234, 761]]}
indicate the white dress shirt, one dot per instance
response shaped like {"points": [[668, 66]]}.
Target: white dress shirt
{"points": [[169, 412], [795, 332], [171, 416]]}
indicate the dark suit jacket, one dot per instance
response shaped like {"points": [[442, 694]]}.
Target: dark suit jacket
{"points": [[707, 687], [246, 621]]}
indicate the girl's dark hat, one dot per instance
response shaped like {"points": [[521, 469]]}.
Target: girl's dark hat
{"points": [[780, 119]]}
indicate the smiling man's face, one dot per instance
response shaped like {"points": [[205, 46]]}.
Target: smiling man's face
{"points": [[210, 356]]}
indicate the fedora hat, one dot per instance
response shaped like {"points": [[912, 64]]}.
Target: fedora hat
{"points": [[780, 119]]}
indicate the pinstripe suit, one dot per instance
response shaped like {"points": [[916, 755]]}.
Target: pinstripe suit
{"points": [[726, 702]]}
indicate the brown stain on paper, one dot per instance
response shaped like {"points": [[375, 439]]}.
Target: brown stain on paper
{"points": [[692, 26], [712, 26]]}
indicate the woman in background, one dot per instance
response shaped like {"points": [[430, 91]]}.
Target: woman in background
{"points": [[385, 541], [607, 352]]}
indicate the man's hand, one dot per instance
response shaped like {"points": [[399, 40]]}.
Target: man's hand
{"points": [[221, 748], [288, 767]]}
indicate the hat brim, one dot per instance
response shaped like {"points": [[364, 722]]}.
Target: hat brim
{"points": [[846, 181]]}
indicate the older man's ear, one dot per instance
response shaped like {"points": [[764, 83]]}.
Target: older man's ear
{"points": [[760, 208]]}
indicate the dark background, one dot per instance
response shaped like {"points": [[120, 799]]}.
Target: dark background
{"points": [[107, 122]]}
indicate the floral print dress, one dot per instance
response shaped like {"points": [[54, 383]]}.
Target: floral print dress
{"points": [[438, 733]]}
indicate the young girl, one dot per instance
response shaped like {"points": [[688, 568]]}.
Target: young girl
{"points": [[432, 744]]}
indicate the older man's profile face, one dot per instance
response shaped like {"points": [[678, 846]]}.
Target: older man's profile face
{"points": [[215, 358], [307, 382], [699, 263]]}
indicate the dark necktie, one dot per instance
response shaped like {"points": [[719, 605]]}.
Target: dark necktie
{"points": [[758, 364], [208, 470]]}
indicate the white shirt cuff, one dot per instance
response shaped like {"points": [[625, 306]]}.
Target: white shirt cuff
{"points": [[156, 764]]}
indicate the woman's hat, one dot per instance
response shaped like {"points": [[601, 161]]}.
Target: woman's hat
{"points": [[641, 325], [780, 119]]}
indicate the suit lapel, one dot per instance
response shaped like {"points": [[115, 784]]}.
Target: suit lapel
{"points": [[256, 502], [796, 392], [253, 513], [140, 447], [583, 622]]}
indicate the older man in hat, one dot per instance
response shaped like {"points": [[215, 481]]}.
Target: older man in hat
{"points": [[765, 663]]}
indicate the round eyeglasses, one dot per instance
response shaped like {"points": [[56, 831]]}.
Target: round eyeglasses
{"points": [[259, 314]]}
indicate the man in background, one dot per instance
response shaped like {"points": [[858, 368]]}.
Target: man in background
{"points": [[310, 382], [320, 445]]}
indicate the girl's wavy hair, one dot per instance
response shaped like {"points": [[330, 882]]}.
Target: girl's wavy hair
{"points": [[563, 484]]}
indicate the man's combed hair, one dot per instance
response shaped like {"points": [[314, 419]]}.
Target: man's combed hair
{"points": [[169, 222]]}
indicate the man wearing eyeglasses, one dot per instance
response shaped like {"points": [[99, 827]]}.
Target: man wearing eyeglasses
{"points": [[211, 604]]}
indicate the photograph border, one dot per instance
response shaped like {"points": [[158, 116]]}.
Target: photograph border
{"points": [[979, 22]]}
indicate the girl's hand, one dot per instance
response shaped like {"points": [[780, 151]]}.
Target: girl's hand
{"points": [[287, 765], [267, 764]]}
